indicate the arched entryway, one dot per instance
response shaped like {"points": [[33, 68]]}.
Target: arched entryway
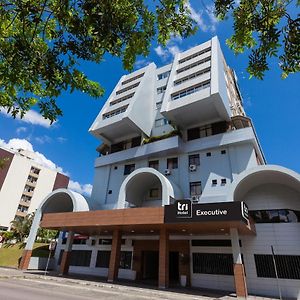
{"points": [[61, 200], [147, 187]]}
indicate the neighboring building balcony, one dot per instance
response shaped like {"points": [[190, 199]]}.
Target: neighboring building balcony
{"points": [[27, 204], [26, 193], [21, 214], [162, 147]]}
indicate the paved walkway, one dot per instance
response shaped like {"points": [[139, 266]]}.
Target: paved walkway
{"points": [[87, 287]]}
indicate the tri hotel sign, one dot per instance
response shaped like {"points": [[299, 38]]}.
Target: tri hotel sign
{"points": [[186, 211]]}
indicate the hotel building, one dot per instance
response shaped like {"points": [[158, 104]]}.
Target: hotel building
{"points": [[24, 183], [182, 192]]}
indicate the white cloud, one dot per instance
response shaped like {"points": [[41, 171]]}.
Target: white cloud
{"points": [[141, 63], [31, 117], [80, 188], [204, 18], [16, 144], [43, 139], [170, 50], [21, 129], [62, 139]]}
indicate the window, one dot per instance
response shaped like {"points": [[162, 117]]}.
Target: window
{"points": [[161, 90], [114, 112], [195, 188], [194, 159], [132, 78], [288, 266], [214, 182], [103, 258], [31, 179], [275, 216], [22, 208], [154, 164], [208, 154], [130, 87], [199, 132], [213, 243], [172, 163], [129, 169], [119, 100], [161, 122], [192, 76], [80, 258], [223, 181], [154, 193], [35, 170], [28, 189], [79, 241], [110, 192], [25, 198], [195, 64], [205, 131], [190, 90], [223, 151], [213, 263], [163, 75], [193, 134], [125, 260], [3, 228], [194, 55]]}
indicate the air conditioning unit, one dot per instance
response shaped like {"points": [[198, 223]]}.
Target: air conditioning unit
{"points": [[195, 198], [167, 172], [193, 168]]}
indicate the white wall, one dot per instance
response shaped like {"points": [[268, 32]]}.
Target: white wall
{"points": [[284, 237], [13, 187]]}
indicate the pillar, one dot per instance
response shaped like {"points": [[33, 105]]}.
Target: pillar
{"points": [[26, 255], [238, 267], [65, 260], [163, 269], [114, 261]]}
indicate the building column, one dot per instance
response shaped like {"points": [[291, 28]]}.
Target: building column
{"points": [[163, 270], [114, 261], [238, 267], [65, 260], [26, 255]]}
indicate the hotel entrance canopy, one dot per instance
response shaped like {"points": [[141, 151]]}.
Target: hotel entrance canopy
{"points": [[183, 217]]}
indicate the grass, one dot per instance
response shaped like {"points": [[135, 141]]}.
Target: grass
{"points": [[11, 254]]}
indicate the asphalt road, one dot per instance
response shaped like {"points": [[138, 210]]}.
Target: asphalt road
{"points": [[37, 289]]}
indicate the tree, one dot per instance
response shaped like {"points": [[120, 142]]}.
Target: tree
{"points": [[42, 43], [267, 28], [20, 226]]}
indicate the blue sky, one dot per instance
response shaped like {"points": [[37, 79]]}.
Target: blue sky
{"points": [[273, 105]]}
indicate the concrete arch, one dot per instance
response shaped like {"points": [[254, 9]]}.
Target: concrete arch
{"points": [[259, 175], [60, 200], [169, 189]]}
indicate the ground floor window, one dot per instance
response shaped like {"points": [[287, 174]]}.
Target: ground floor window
{"points": [[103, 258], [288, 266], [213, 263], [80, 258]]}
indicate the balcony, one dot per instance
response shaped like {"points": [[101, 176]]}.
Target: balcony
{"points": [[168, 146]]}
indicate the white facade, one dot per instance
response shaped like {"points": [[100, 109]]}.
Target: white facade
{"points": [[180, 132], [25, 183]]}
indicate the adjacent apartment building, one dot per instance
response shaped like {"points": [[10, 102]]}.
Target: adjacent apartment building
{"points": [[182, 191], [24, 184]]}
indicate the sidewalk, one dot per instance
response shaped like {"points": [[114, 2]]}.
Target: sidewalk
{"points": [[120, 286]]}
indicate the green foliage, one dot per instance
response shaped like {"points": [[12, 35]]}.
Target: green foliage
{"points": [[266, 27], [3, 162], [42, 43], [46, 235], [161, 137], [21, 227]]}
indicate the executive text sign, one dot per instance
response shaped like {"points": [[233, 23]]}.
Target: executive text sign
{"points": [[185, 211]]}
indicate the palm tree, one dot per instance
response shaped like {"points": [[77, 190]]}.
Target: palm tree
{"points": [[21, 226]]}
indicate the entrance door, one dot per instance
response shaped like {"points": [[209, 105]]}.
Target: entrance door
{"points": [[150, 265], [174, 267]]}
